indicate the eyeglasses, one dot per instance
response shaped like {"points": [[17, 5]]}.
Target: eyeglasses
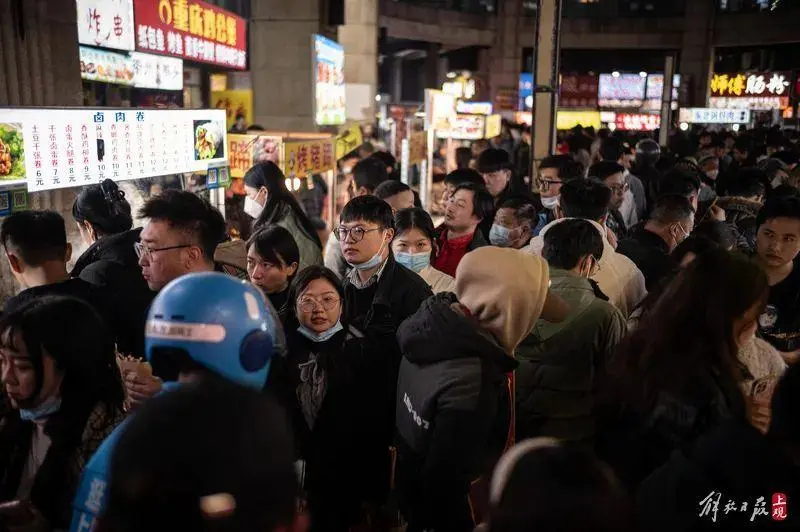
{"points": [[142, 250], [356, 234], [544, 184], [621, 189], [308, 304]]}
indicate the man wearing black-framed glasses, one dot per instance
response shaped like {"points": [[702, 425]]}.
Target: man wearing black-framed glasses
{"points": [[180, 236]]}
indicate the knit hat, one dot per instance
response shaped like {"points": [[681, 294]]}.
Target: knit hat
{"points": [[507, 291]]}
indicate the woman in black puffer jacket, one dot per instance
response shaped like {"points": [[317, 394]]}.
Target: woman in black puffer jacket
{"points": [[104, 220]]}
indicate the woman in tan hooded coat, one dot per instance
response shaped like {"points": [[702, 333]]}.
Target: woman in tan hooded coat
{"points": [[454, 407]]}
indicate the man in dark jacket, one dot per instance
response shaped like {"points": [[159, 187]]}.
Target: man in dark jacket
{"points": [[650, 246], [36, 247], [733, 478], [561, 363], [376, 283]]}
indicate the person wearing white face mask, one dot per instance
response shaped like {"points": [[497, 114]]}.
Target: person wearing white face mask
{"points": [[269, 202], [337, 418], [513, 223], [559, 361], [414, 247], [554, 171]]}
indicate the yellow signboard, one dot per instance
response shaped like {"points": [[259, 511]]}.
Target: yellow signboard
{"points": [[307, 157], [246, 150], [570, 119], [494, 126], [348, 140], [234, 102], [417, 147]]}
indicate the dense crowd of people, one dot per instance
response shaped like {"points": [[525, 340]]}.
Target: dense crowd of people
{"points": [[616, 350]]}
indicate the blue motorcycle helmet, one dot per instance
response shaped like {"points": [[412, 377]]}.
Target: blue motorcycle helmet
{"points": [[215, 322]]}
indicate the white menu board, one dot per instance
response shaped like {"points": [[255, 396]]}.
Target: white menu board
{"points": [[73, 147]]}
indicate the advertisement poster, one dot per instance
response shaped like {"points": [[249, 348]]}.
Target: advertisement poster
{"points": [[417, 147], [157, 72], [464, 127], [506, 99], [348, 140], [63, 148], [525, 91], [246, 150], [307, 157], [440, 109], [577, 91], [101, 65], [622, 90], [474, 108], [655, 86], [494, 126], [191, 29], [106, 23], [234, 102], [329, 90]]}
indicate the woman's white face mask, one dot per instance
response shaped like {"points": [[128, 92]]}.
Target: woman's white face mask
{"points": [[254, 204]]}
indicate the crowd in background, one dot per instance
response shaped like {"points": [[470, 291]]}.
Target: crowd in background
{"points": [[601, 346]]}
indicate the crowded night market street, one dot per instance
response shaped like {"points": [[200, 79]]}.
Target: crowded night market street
{"points": [[399, 265]]}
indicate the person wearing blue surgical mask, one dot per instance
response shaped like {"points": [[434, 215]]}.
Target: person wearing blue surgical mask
{"points": [[414, 246], [330, 393], [513, 222], [62, 394]]}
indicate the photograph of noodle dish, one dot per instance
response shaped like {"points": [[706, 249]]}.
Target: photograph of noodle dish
{"points": [[209, 140]]}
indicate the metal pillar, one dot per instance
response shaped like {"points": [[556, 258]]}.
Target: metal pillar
{"points": [[666, 100], [547, 48]]}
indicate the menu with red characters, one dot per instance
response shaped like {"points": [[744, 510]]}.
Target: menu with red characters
{"points": [[63, 148]]}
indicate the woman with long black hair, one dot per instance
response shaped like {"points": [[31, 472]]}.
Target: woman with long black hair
{"points": [[105, 223], [677, 376], [269, 202], [62, 395]]}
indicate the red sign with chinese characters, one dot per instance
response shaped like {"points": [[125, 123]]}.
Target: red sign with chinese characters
{"points": [[577, 91], [193, 30], [637, 122], [780, 510]]}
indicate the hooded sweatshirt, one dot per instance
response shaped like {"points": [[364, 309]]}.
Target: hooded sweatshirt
{"points": [[453, 402]]}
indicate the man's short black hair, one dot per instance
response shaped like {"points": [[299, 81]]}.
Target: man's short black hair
{"points": [[369, 173], [779, 207], [568, 168], [35, 236], [463, 157], [190, 214], [604, 169], [743, 144], [748, 183], [482, 201], [567, 242], [493, 160], [585, 198], [368, 209], [671, 208], [386, 158], [611, 149], [718, 232], [390, 188], [464, 175], [682, 182], [524, 209]]}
